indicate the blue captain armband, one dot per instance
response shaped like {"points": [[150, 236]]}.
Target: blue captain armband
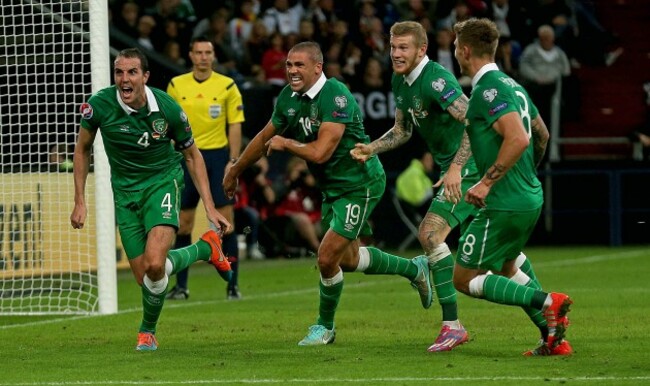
{"points": [[184, 145]]}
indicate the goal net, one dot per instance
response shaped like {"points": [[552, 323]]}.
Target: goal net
{"points": [[46, 267]]}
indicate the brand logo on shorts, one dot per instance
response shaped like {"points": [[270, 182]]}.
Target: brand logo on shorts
{"points": [[464, 258]]}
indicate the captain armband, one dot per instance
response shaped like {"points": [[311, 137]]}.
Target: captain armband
{"points": [[184, 145]]}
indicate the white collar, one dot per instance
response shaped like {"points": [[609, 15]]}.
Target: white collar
{"points": [[151, 101], [315, 89], [413, 75], [485, 69]]}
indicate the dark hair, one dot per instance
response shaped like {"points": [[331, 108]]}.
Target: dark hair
{"points": [[131, 53], [199, 39]]}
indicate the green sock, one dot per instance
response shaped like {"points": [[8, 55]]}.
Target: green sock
{"points": [[443, 274], [382, 263], [500, 289], [184, 257], [329, 300], [152, 305], [527, 268], [535, 315]]}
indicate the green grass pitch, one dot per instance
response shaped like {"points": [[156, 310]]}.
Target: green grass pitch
{"points": [[382, 332]]}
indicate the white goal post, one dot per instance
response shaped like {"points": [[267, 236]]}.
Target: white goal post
{"points": [[53, 55]]}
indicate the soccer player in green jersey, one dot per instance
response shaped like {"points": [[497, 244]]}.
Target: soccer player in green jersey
{"points": [[508, 140], [214, 107], [146, 134], [429, 99], [318, 119]]}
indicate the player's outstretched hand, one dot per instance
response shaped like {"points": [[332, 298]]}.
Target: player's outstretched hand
{"points": [[361, 152]]}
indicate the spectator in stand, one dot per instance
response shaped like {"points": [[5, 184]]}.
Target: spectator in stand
{"points": [[306, 31], [323, 15], [246, 214], [443, 51], [504, 60], [541, 66], [559, 15], [282, 18], [181, 12], [374, 77], [146, 25], [416, 9], [513, 21], [126, 20], [595, 44], [353, 58], [172, 51], [414, 185], [256, 45], [273, 62], [240, 27], [301, 202], [457, 10], [375, 41]]}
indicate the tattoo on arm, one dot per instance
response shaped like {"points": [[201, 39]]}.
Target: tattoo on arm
{"points": [[394, 137], [540, 140], [495, 172], [464, 151], [458, 108]]}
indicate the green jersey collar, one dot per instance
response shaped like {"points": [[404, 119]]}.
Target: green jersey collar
{"points": [[484, 70], [413, 75], [151, 101], [315, 89]]}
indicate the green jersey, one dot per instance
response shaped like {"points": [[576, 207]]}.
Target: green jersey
{"points": [[300, 116], [423, 96], [493, 95], [138, 143]]}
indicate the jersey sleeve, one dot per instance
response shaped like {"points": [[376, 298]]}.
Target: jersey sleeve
{"points": [[445, 89], [91, 113], [336, 105], [493, 103], [235, 107]]}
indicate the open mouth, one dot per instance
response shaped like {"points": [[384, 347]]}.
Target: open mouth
{"points": [[127, 91]]}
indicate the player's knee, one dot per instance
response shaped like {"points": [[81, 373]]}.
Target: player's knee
{"points": [[432, 233]]}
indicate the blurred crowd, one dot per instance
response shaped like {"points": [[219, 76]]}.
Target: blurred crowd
{"points": [[252, 37], [541, 42]]}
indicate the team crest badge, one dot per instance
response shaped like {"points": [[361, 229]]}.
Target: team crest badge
{"points": [[159, 128], [439, 84], [313, 112], [341, 101], [214, 111], [417, 103], [490, 95], [86, 111]]}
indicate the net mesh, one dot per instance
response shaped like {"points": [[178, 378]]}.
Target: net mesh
{"points": [[46, 267]]}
